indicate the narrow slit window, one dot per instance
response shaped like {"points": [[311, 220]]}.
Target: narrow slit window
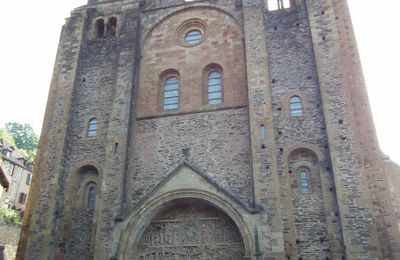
{"points": [[28, 179], [91, 198], [296, 106], [92, 129], [304, 181], [214, 88], [263, 133], [171, 94]]}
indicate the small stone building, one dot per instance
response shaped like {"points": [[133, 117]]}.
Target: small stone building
{"points": [[210, 129], [18, 172]]}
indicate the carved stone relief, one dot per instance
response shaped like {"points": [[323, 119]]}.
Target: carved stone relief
{"points": [[190, 231]]}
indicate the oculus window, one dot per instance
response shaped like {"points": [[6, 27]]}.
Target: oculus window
{"points": [[193, 37]]}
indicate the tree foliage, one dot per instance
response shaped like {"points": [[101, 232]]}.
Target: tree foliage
{"points": [[7, 137], [9, 216], [25, 138]]}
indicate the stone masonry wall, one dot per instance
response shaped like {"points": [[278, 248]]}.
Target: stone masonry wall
{"points": [[355, 199], [103, 92], [264, 58], [9, 236], [81, 235], [308, 210], [37, 234], [362, 123], [164, 51], [293, 73], [392, 170], [210, 131], [92, 99], [219, 147]]}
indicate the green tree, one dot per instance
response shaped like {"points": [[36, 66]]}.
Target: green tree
{"points": [[24, 136], [7, 137]]}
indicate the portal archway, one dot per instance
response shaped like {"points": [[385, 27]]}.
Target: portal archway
{"points": [[189, 229]]}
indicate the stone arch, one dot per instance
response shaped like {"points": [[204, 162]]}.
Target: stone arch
{"points": [[164, 75], [81, 219], [137, 223], [162, 18], [315, 150], [167, 50], [88, 164], [99, 28], [307, 213], [211, 67]]}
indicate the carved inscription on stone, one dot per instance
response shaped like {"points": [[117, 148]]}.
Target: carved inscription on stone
{"points": [[189, 232]]}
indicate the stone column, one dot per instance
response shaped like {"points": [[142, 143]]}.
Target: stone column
{"points": [[266, 183], [37, 240], [353, 194], [114, 178]]}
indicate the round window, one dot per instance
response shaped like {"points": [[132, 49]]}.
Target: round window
{"points": [[191, 33], [193, 37]]}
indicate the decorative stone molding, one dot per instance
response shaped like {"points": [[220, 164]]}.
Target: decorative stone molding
{"points": [[191, 25], [185, 183]]}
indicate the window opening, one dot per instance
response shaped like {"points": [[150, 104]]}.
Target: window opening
{"points": [[91, 199], [171, 93], [112, 27], [193, 37], [296, 106], [16, 173], [279, 4], [100, 28], [28, 179], [93, 126], [214, 88], [263, 133], [304, 181], [22, 198]]}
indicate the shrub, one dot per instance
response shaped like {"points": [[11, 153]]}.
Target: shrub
{"points": [[9, 216]]}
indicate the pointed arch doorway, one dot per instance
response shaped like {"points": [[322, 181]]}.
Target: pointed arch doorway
{"points": [[189, 229]]}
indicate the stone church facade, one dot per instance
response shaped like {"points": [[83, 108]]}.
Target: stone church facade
{"points": [[210, 129]]}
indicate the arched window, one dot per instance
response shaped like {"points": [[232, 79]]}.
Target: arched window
{"points": [[99, 29], [214, 88], [296, 106], [91, 197], [112, 27], [92, 129], [171, 93], [304, 176]]}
